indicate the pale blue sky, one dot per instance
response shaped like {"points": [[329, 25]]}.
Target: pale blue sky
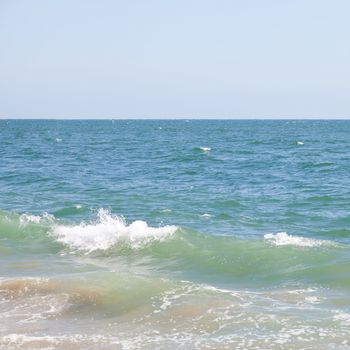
{"points": [[169, 59]]}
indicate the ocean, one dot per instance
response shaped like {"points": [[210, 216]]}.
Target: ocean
{"points": [[174, 234]]}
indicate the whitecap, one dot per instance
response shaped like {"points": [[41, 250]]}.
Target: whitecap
{"points": [[300, 143], [283, 238], [107, 231], [205, 149], [25, 219]]}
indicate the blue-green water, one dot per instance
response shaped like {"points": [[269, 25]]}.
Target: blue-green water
{"points": [[174, 234]]}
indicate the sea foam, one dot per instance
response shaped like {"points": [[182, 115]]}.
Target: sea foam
{"points": [[205, 149], [283, 238], [107, 231], [25, 219]]}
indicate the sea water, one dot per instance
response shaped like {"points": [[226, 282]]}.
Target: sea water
{"points": [[174, 234]]}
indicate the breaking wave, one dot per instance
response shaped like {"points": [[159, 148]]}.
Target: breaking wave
{"points": [[274, 259], [107, 231], [283, 238], [25, 218]]}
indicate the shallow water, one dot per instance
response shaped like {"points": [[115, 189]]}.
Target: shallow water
{"points": [[174, 234]]}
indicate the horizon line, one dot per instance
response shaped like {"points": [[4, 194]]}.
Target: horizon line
{"points": [[174, 118]]}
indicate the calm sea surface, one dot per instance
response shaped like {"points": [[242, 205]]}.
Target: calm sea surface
{"points": [[174, 234]]}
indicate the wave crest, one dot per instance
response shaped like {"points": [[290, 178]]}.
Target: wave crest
{"points": [[25, 219], [283, 238], [107, 231]]}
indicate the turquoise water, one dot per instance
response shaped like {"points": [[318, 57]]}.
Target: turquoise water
{"points": [[175, 234]]}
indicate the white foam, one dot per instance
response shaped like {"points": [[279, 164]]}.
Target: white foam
{"points": [[313, 299], [205, 215], [107, 231], [205, 149], [25, 219], [300, 143], [343, 317], [283, 238]]}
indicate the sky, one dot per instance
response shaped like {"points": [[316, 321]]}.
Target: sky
{"points": [[174, 59]]}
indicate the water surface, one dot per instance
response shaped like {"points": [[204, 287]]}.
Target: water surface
{"points": [[174, 234]]}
